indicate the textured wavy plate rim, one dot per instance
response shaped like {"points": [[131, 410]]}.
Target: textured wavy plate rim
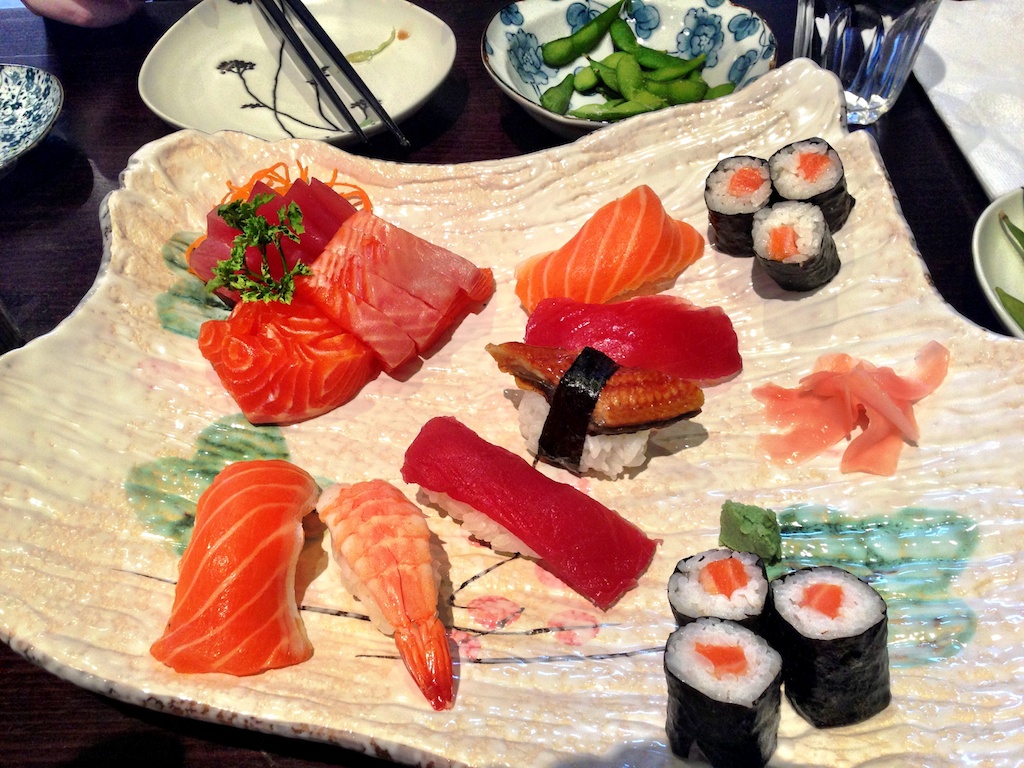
{"points": [[994, 254], [149, 72], [557, 156]]}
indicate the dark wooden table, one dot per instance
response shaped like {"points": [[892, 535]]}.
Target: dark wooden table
{"points": [[50, 246]]}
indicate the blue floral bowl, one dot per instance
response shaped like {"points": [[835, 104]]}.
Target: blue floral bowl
{"points": [[30, 100], [737, 42]]}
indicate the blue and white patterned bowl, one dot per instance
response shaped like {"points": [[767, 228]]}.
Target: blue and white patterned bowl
{"points": [[30, 100], [739, 46]]}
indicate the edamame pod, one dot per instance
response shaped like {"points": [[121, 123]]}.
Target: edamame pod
{"points": [[585, 80], [676, 69], [610, 111], [720, 90], [622, 36], [629, 76], [556, 98], [564, 50]]}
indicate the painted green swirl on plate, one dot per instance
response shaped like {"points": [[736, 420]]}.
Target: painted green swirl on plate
{"points": [[186, 305], [164, 492], [911, 556]]}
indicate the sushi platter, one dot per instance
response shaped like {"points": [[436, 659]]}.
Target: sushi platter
{"points": [[111, 423]]}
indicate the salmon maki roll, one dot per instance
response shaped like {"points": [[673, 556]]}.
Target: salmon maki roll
{"points": [[235, 607], [627, 245]]}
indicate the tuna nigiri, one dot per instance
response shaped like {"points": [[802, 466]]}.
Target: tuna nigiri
{"points": [[285, 363], [662, 333], [628, 244], [235, 607], [381, 541], [505, 501], [843, 394]]}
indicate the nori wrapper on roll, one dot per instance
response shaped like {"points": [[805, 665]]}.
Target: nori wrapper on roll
{"points": [[835, 201], [839, 681]]}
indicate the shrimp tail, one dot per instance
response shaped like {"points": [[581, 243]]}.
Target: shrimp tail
{"points": [[424, 649]]}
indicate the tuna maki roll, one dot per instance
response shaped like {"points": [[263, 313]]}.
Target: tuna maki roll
{"points": [[794, 245], [724, 693], [723, 584], [735, 190], [831, 629], [810, 171]]}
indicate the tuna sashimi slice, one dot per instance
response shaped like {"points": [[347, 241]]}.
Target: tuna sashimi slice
{"points": [[589, 547], [235, 608], [285, 363], [627, 245], [660, 332], [323, 211]]}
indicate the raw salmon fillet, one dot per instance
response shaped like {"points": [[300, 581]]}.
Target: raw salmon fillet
{"points": [[235, 607], [628, 244], [286, 363]]}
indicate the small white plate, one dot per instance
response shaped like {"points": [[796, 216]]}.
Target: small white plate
{"points": [[997, 261], [30, 100], [218, 69], [738, 43]]}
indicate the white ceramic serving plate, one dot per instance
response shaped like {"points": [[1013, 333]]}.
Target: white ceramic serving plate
{"points": [[739, 46], [997, 262], [99, 463], [220, 68], [30, 101]]}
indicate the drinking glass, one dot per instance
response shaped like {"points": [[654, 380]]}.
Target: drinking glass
{"points": [[869, 44]]}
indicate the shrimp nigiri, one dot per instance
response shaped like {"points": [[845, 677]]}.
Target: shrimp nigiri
{"points": [[381, 542]]}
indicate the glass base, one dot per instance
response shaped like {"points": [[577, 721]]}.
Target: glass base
{"points": [[861, 111]]}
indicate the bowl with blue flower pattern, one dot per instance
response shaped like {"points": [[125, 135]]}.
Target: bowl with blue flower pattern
{"points": [[30, 100], [733, 45]]}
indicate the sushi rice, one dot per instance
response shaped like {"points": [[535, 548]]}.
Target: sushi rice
{"points": [[716, 191], [480, 525], [682, 660], [689, 598], [791, 184], [862, 606], [608, 455]]}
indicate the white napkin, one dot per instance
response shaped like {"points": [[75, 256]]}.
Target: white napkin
{"points": [[972, 66]]}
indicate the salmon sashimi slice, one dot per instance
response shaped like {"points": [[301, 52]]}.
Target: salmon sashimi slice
{"points": [[723, 577], [725, 659], [372, 269], [235, 605], [628, 244], [842, 395], [661, 333], [286, 363], [589, 547], [381, 541]]}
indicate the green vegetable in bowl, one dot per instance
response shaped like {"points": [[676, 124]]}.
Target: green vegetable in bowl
{"points": [[633, 79], [1013, 305]]}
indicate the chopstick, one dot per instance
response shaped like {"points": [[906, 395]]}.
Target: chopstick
{"points": [[280, 20]]}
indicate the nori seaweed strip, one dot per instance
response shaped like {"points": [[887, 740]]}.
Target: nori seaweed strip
{"points": [[572, 404], [733, 232]]}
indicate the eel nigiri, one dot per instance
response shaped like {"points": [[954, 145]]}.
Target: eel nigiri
{"points": [[398, 292], [285, 363], [660, 332], [507, 502], [381, 542], [628, 244], [235, 607]]}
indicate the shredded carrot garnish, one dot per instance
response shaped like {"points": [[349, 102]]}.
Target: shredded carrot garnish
{"points": [[279, 178]]}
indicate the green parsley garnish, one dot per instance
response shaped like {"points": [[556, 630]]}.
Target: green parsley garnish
{"points": [[257, 232]]}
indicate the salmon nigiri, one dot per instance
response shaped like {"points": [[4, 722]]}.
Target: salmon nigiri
{"points": [[235, 606], [381, 541], [628, 244]]}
